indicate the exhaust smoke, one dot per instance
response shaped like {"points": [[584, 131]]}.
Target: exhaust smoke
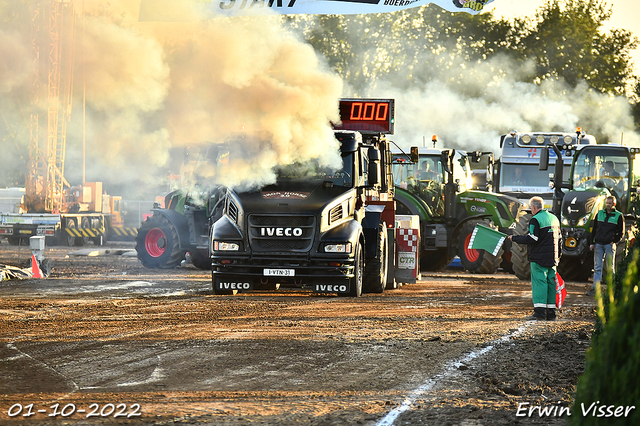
{"points": [[153, 86]]}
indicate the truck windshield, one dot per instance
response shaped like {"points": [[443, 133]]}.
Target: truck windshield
{"points": [[312, 171], [603, 168], [527, 177]]}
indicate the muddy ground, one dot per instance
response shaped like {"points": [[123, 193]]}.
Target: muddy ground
{"points": [[451, 349]]}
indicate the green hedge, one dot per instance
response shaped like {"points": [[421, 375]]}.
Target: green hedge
{"points": [[612, 373]]}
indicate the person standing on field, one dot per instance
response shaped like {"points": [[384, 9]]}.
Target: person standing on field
{"points": [[608, 229], [544, 240]]}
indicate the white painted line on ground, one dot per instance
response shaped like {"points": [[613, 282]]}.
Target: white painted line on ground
{"points": [[450, 368]]}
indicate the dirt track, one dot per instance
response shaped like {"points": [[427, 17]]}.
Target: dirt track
{"points": [[453, 348]]}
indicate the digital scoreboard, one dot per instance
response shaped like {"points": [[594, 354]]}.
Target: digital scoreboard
{"points": [[367, 115]]}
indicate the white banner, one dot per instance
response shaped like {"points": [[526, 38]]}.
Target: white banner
{"points": [[156, 10]]}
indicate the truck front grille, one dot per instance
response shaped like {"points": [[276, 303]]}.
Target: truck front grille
{"points": [[281, 233]]}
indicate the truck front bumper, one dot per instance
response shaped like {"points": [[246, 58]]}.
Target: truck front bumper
{"points": [[322, 274]]}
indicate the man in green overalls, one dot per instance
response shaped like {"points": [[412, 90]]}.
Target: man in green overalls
{"points": [[544, 240]]}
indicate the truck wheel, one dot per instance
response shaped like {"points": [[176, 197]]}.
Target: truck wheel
{"points": [[376, 270], [355, 283], [220, 292], [477, 261], [200, 259], [575, 269], [67, 239], [83, 241], [435, 260], [158, 245], [519, 252]]}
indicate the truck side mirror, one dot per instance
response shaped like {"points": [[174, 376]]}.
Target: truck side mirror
{"points": [[374, 166], [415, 157], [544, 158]]}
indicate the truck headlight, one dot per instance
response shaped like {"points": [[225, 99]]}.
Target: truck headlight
{"points": [[223, 246], [338, 248], [583, 220]]}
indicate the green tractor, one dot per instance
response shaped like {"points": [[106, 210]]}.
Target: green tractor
{"points": [[180, 225], [597, 171], [436, 184]]}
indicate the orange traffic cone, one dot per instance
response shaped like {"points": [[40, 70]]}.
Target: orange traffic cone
{"points": [[35, 269]]}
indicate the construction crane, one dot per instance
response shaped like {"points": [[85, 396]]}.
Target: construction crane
{"points": [[55, 209], [53, 42]]}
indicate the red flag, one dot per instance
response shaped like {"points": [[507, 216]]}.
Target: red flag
{"points": [[561, 291]]}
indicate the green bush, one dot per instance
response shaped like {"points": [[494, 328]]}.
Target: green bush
{"points": [[612, 371]]}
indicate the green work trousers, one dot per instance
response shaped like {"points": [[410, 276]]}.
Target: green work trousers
{"points": [[543, 286]]}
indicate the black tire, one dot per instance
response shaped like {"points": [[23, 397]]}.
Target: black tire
{"points": [[158, 245], [435, 260], [520, 252], [83, 241], [45, 267], [220, 292], [14, 241], [476, 261], [67, 239], [575, 269], [355, 283], [376, 270], [200, 259], [101, 240]]}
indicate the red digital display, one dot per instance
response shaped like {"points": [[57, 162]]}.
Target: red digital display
{"points": [[366, 115]]}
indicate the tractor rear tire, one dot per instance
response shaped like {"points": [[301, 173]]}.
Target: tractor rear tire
{"points": [[376, 270], [520, 252], [477, 261], [158, 245]]}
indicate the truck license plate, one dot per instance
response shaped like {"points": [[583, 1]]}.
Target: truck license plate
{"points": [[279, 272]]}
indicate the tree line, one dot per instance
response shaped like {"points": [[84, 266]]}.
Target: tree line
{"points": [[565, 40]]}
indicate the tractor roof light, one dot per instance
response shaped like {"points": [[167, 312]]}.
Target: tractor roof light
{"points": [[554, 139], [540, 139], [526, 139], [567, 139]]}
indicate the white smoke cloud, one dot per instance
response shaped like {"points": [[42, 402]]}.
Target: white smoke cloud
{"points": [[150, 87], [471, 110]]}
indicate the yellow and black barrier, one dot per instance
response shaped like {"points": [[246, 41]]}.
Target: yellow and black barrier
{"points": [[117, 232], [124, 232], [85, 232]]}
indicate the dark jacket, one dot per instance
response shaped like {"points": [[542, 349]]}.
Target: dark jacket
{"points": [[544, 239], [607, 227]]}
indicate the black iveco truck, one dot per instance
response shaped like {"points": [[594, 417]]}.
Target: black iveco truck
{"points": [[323, 229]]}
